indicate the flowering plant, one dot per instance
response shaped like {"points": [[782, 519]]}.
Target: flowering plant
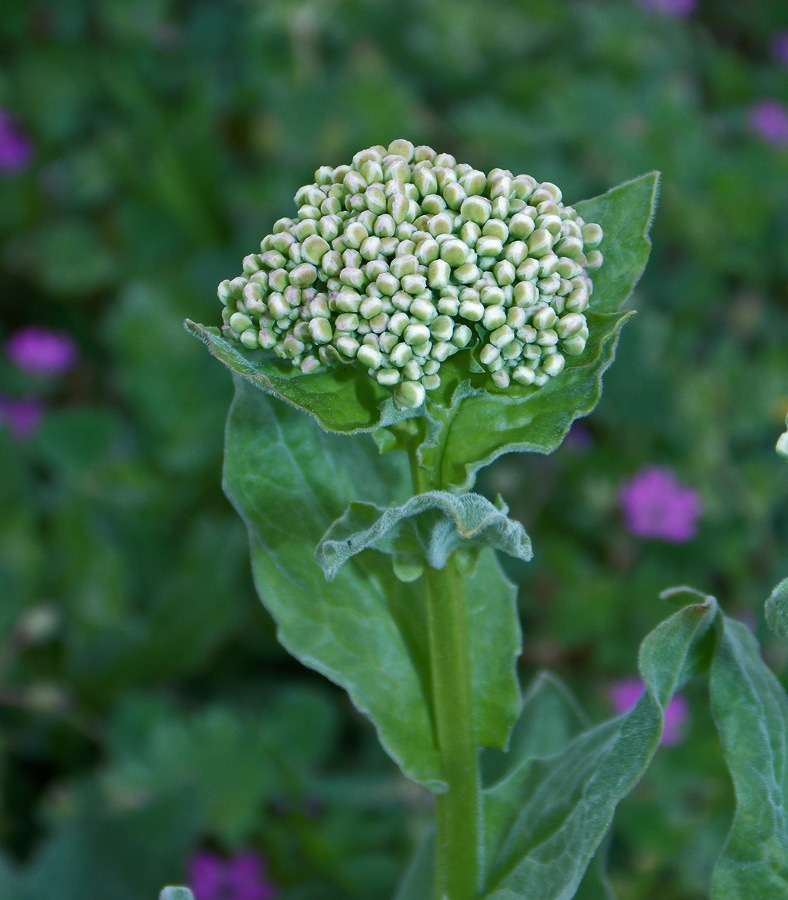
{"points": [[453, 316]]}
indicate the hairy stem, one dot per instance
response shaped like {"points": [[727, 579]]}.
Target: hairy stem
{"points": [[458, 811]]}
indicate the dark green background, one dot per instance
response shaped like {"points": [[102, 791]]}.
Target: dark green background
{"points": [[160, 716]]}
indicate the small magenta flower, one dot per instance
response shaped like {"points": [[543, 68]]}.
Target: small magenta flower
{"points": [[41, 351], [16, 148], [670, 7], [623, 695], [769, 119], [243, 877], [779, 47], [22, 416], [655, 505]]}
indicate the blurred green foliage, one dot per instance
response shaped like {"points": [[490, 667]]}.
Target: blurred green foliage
{"points": [[158, 715]]}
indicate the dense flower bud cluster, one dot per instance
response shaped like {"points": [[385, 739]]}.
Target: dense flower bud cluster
{"points": [[404, 258]]}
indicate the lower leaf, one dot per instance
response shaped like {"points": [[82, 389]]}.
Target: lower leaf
{"points": [[546, 819], [751, 712]]}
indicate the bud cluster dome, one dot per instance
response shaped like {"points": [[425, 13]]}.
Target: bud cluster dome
{"points": [[405, 257]]}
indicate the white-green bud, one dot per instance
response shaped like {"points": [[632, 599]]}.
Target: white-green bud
{"points": [[416, 334], [569, 324], [501, 378], [504, 272], [489, 246], [454, 252], [494, 317], [438, 274], [544, 317], [371, 307], [503, 336], [476, 209], [574, 345], [525, 294], [347, 322], [547, 338], [540, 243], [249, 339], [240, 323], [448, 306], [423, 310], [467, 274], [413, 284], [594, 260], [442, 327], [412, 370], [369, 356], [303, 275], [409, 395], [523, 375], [320, 330], [398, 323], [473, 310], [462, 336], [427, 251], [592, 235], [489, 354], [553, 365]]}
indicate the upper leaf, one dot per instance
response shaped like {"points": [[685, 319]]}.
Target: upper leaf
{"points": [[471, 420], [433, 525], [486, 423], [365, 630]]}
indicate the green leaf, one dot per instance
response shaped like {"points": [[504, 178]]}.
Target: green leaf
{"points": [[481, 423], [343, 400], [433, 524], [546, 819], [550, 719], [289, 481], [365, 630], [751, 712]]}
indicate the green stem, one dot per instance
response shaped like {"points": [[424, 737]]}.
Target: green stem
{"points": [[458, 843]]}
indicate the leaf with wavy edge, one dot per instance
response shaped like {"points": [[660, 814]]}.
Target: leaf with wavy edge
{"points": [[435, 524], [432, 526], [365, 630], [342, 400], [751, 713], [289, 480], [546, 819]]}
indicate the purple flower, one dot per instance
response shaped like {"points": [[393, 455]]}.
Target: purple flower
{"points": [[240, 878], [22, 416], [671, 7], [16, 149], [769, 119], [41, 351], [779, 45], [655, 505], [623, 695]]}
